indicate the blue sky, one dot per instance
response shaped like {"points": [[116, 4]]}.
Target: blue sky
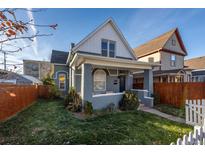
{"points": [[137, 25]]}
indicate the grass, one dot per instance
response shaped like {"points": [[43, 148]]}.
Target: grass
{"points": [[179, 112], [49, 123]]}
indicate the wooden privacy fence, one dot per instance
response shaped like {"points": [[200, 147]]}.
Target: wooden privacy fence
{"points": [[176, 93], [196, 138], [14, 98], [195, 112]]}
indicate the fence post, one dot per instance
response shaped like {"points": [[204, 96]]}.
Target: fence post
{"points": [[185, 140], [179, 141], [187, 111]]}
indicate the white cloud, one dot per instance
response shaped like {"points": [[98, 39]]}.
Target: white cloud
{"points": [[34, 31]]}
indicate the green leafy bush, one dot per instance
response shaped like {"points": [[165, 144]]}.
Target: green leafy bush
{"points": [[54, 93], [129, 101], [73, 101], [48, 81], [156, 98], [88, 108]]}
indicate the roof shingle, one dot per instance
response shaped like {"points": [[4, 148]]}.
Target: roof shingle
{"points": [[59, 57], [156, 44], [195, 63]]}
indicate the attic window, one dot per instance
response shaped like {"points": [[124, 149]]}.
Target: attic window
{"points": [[173, 42], [108, 48]]}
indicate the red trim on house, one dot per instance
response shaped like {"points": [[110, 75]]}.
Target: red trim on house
{"points": [[180, 41], [171, 51]]}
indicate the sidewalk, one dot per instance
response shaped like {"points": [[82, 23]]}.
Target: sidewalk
{"points": [[161, 114]]}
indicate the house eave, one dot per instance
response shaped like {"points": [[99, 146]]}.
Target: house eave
{"points": [[110, 62]]}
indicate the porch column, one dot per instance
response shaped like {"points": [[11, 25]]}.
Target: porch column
{"points": [[70, 78], [86, 83], [129, 82], [148, 80]]}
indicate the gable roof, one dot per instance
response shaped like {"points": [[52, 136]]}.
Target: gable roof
{"points": [[114, 25], [195, 63], [59, 57], [158, 44]]}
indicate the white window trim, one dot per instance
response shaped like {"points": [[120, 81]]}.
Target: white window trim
{"points": [[64, 82], [108, 47], [99, 80]]}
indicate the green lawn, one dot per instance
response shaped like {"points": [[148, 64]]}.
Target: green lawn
{"points": [[47, 122], [179, 112]]}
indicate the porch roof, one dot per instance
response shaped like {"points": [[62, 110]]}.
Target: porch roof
{"points": [[80, 58]]}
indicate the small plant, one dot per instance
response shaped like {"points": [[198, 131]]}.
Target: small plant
{"points": [[156, 98], [48, 81], [73, 101], [129, 101], [88, 108], [110, 107], [54, 93]]}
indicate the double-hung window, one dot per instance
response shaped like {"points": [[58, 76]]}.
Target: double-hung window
{"points": [[99, 80], [173, 60], [104, 47], [111, 49], [62, 81], [108, 48]]}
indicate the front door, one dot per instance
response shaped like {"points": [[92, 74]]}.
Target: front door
{"points": [[122, 83]]}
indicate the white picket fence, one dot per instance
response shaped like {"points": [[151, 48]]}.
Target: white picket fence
{"points": [[196, 138], [195, 112], [195, 115]]}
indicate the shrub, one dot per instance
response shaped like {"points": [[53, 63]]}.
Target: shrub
{"points": [[88, 108], [54, 93], [156, 98], [111, 107], [73, 101], [129, 101], [48, 81]]}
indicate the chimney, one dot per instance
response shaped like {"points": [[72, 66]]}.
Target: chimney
{"points": [[72, 45]]}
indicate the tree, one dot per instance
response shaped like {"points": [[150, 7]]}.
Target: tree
{"points": [[13, 29]]}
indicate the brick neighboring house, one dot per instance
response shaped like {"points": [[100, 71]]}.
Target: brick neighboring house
{"points": [[37, 69], [168, 50], [198, 68]]}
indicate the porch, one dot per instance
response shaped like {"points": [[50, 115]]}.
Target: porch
{"points": [[103, 80]]}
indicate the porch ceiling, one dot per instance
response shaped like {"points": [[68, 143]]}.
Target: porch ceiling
{"points": [[110, 62]]}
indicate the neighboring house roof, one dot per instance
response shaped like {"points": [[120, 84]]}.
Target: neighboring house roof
{"points": [[158, 44], [59, 57], [112, 22], [164, 72], [195, 63], [33, 79], [20, 79]]}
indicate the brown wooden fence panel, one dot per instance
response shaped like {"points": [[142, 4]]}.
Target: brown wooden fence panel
{"points": [[14, 98], [176, 93]]}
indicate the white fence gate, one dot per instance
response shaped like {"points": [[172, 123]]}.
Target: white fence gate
{"points": [[195, 112]]}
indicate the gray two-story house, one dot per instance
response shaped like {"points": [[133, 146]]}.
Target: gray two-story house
{"points": [[102, 64]]}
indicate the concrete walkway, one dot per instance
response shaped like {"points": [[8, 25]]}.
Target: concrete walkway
{"points": [[161, 114]]}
